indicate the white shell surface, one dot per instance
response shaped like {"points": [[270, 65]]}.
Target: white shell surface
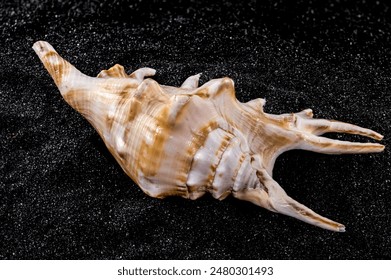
{"points": [[193, 140]]}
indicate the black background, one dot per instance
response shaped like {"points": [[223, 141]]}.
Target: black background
{"points": [[62, 196]]}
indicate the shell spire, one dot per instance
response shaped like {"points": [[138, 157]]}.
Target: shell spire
{"points": [[60, 69], [193, 140]]}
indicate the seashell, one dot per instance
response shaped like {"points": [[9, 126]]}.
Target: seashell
{"points": [[193, 140]]}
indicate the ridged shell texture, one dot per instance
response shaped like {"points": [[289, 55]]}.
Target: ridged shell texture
{"points": [[193, 140]]}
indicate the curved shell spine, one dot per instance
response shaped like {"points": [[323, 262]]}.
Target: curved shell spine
{"points": [[193, 140]]}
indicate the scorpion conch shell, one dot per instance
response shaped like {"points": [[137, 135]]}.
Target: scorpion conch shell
{"points": [[193, 140]]}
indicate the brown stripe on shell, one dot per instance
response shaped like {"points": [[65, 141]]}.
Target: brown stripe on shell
{"points": [[219, 154], [198, 140], [154, 151], [134, 110], [240, 162], [114, 86], [56, 66], [262, 179], [78, 100], [144, 101], [117, 71], [127, 107], [195, 192]]}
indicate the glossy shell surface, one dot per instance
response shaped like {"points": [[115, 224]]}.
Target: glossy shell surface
{"points": [[193, 140]]}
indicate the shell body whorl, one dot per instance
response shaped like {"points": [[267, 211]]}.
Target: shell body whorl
{"points": [[193, 140]]}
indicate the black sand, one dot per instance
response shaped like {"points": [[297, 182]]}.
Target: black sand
{"points": [[62, 196]]}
